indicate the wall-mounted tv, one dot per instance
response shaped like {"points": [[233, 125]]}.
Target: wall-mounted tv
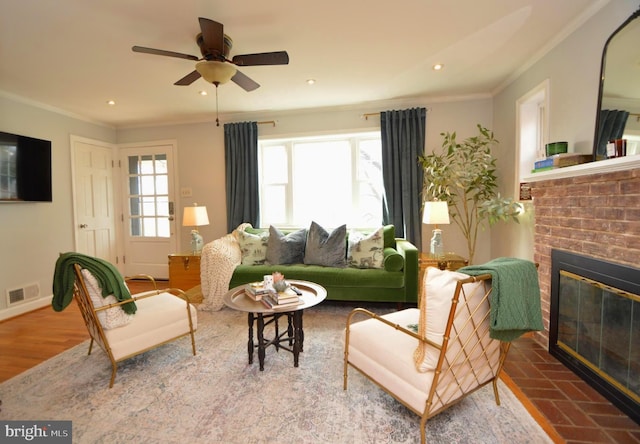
{"points": [[25, 169]]}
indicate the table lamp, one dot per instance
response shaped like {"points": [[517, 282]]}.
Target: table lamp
{"points": [[436, 212], [195, 216]]}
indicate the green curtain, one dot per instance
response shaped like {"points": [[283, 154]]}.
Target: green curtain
{"points": [[403, 136], [241, 167]]}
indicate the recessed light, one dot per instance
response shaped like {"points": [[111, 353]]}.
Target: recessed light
{"points": [[203, 93], [438, 67], [111, 102], [311, 81]]}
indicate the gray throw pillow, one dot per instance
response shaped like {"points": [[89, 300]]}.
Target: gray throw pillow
{"points": [[286, 249], [324, 248]]}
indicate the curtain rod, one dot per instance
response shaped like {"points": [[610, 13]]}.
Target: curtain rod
{"points": [[367, 115], [267, 122]]}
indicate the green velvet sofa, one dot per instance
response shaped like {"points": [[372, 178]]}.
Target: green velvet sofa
{"points": [[396, 282]]}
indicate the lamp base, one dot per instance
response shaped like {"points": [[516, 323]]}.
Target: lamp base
{"points": [[437, 247], [196, 241]]}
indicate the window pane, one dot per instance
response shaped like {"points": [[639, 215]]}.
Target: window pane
{"points": [[162, 185], [274, 204], [146, 164], [322, 183], [275, 165], [330, 179]]}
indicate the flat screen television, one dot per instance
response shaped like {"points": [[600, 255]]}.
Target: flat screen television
{"points": [[25, 169]]}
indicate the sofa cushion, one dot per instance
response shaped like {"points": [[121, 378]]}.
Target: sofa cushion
{"points": [[326, 248], [253, 247], [366, 251], [393, 261], [358, 279], [286, 248], [112, 317]]}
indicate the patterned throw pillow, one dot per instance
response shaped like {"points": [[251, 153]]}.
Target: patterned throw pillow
{"points": [[324, 248], [111, 318], [366, 251], [253, 247]]}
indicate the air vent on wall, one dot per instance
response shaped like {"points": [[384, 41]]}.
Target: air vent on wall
{"points": [[17, 295]]}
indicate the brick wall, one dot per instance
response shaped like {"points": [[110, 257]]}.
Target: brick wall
{"points": [[596, 215]]}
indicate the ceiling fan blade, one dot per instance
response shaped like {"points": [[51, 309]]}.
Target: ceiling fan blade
{"points": [[162, 52], [188, 79], [244, 81], [212, 35], [263, 58]]}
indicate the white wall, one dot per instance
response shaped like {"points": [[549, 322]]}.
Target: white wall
{"points": [[34, 234], [573, 69]]}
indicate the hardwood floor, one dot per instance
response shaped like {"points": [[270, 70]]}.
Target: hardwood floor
{"points": [[34, 337]]}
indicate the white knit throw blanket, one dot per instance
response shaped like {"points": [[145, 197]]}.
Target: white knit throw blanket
{"points": [[219, 259]]}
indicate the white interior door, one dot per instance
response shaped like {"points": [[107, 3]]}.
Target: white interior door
{"points": [[148, 208], [95, 232]]}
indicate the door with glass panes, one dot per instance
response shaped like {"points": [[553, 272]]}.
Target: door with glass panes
{"points": [[148, 213]]}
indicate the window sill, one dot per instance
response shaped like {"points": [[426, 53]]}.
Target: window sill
{"points": [[599, 167]]}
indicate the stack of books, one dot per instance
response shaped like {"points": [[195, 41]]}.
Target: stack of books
{"points": [[560, 160], [281, 299], [256, 290]]}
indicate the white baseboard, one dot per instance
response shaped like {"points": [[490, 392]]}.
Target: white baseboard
{"points": [[24, 307]]}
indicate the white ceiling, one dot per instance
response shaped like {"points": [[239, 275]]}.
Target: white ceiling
{"points": [[75, 55]]}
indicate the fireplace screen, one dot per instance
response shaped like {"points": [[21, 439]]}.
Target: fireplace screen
{"points": [[595, 320]]}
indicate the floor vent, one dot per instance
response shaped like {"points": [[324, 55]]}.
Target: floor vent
{"points": [[17, 295]]}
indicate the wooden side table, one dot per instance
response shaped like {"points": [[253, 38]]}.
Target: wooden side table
{"points": [[184, 273], [450, 261]]}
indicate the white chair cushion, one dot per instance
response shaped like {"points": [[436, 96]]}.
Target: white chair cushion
{"points": [[435, 305], [112, 317], [388, 359], [159, 319]]}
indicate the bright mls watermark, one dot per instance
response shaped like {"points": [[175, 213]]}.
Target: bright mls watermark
{"points": [[40, 432]]}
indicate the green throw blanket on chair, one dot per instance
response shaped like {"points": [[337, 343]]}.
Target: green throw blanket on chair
{"points": [[106, 274], [515, 299]]}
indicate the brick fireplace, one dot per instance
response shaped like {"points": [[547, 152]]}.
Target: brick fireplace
{"points": [[595, 215], [587, 242]]}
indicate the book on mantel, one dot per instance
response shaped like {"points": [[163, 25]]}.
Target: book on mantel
{"points": [[560, 161]]}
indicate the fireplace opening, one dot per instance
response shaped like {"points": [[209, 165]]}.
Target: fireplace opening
{"points": [[594, 325]]}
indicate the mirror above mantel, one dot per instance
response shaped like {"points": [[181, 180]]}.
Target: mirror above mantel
{"points": [[618, 115]]}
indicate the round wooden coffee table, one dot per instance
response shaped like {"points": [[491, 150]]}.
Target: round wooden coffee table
{"points": [[292, 339]]}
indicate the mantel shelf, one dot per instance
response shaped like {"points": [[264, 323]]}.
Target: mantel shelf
{"points": [[599, 167]]}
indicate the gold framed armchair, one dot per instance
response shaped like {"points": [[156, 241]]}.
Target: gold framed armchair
{"points": [[121, 324], [430, 367]]}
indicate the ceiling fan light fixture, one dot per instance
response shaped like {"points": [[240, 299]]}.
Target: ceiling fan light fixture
{"points": [[215, 72]]}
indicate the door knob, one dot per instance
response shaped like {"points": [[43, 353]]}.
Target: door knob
{"points": [[83, 225]]}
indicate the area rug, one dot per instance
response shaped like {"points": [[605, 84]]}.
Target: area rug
{"points": [[168, 395]]}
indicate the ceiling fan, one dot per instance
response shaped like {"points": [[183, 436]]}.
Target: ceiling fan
{"points": [[214, 65]]}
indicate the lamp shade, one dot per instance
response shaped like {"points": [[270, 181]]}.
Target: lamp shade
{"points": [[215, 72], [435, 212], [195, 216]]}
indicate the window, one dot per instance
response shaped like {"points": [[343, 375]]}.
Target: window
{"points": [[149, 196], [332, 180], [532, 129]]}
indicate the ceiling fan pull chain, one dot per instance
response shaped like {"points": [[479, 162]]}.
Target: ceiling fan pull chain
{"points": [[217, 120]]}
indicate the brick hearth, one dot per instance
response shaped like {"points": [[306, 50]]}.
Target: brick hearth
{"points": [[595, 215]]}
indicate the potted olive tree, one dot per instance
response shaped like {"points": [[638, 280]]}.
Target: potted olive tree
{"points": [[464, 175]]}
